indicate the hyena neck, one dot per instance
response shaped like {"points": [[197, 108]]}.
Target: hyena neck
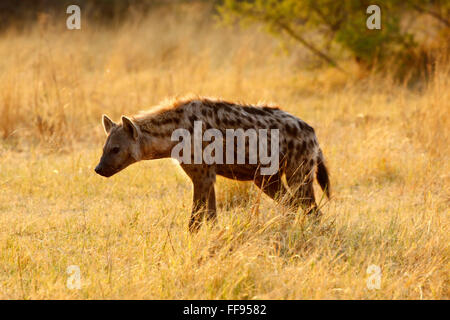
{"points": [[156, 132], [153, 147]]}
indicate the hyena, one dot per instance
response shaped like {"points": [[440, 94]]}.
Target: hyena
{"points": [[148, 135]]}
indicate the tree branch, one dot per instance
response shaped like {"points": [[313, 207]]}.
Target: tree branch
{"points": [[308, 45], [431, 13]]}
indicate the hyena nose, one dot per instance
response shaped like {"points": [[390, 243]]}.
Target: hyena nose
{"points": [[98, 169]]}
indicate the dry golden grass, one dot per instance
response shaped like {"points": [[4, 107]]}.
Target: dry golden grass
{"points": [[386, 146]]}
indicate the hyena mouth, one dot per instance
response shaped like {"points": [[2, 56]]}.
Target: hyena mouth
{"points": [[103, 172], [107, 171], [110, 171]]}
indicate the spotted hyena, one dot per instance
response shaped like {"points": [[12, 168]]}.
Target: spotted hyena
{"points": [[149, 135]]}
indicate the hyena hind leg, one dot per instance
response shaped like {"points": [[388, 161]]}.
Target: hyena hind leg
{"points": [[272, 186], [299, 195], [304, 198]]}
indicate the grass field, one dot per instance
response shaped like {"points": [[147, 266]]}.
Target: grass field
{"points": [[386, 145]]}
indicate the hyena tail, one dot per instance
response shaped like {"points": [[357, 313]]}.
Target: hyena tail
{"points": [[322, 175]]}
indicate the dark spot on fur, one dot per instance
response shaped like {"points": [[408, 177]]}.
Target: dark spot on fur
{"points": [[301, 148], [254, 110], [236, 113], [193, 118], [309, 128], [273, 127], [290, 145], [224, 106], [292, 130]]}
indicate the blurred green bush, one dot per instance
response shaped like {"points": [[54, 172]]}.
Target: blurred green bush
{"points": [[325, 27]]}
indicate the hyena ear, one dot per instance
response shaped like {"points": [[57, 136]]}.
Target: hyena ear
{"points": [[108, 124], [130, 127]]}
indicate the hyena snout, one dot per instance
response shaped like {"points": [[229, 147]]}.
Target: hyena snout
{"points": [[109, 165], [103, 171]]}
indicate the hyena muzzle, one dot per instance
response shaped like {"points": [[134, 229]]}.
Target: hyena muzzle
{"points": [[149, 136]]}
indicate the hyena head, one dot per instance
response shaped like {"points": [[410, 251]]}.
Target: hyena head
{"points": [[121, 148]]}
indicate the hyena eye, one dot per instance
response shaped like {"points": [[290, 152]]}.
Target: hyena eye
{"points": [[115, 150]]}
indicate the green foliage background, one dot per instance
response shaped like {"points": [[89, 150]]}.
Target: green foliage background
{"points": [[321, 24]]}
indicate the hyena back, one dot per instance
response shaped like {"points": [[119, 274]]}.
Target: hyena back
{"points": [[148, 136]]}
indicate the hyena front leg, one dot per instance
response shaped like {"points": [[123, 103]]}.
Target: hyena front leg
{"points": [[204, 199], [212, 213]]}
